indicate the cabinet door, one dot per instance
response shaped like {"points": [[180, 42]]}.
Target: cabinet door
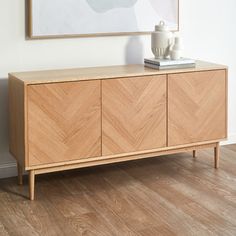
{"points": [[64, 121], [196, 107], [133, 114]]}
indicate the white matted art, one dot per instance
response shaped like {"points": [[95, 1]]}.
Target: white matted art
{"points": [[78, 18]]}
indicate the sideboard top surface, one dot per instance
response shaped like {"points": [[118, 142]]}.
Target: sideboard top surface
{"points": [[93, 73]]}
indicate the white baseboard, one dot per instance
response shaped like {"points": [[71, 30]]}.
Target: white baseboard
{"points": [[231, 140], [10, 169]]}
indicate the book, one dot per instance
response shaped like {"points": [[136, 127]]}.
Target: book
{"points": [[168, 62], [181, 66]]}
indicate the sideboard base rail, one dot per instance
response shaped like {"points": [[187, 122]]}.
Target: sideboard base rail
{"points": [[116, 159]]}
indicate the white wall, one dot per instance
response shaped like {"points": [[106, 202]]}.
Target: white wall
{"points": [[206, 26]]}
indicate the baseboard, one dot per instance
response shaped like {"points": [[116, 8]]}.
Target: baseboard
{"points": [[8, 170], [231, 140]]}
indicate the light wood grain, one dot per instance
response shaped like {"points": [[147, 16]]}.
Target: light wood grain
{"points": [[217, 155], [196, 107], [226, 99], [118, 158], [108, 72], [133, 114], [17, 145], [64, 122], [31, 184], [128, 156], [61, 120]]}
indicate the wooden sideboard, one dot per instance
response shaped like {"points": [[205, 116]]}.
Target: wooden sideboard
{"points": [[73, 118]]}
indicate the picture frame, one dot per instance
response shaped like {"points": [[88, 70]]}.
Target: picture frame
{"points": [[34, 19]]}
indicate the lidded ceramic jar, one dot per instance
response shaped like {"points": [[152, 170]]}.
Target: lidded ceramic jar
{"points": [[161, 41]]}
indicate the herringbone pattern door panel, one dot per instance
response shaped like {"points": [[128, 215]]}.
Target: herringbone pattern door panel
{"points": [[64, 121], [197, 107], [133, 114]]}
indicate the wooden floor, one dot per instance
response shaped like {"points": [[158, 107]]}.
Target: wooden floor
{"points": [[170, 195]]}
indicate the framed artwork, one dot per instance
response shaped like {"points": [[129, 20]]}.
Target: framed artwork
{"points": [[87, 18]]}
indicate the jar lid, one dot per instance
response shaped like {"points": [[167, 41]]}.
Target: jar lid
{"points": [[161, 27]]}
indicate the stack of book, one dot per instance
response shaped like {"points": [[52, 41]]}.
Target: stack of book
{"points": [[165, 64]]}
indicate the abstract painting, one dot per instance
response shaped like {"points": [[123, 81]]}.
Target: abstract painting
{"points": [[71, 18]]}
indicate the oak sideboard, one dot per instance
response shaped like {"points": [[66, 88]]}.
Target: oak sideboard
{"points": [[74, 118]]}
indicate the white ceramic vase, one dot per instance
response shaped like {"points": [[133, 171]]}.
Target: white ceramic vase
{"points": [[176, 50], [161, 41]]}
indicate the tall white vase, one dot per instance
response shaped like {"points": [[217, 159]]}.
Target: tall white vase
{"points": [[176, 50]]}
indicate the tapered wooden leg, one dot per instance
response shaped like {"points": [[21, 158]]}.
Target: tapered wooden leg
{"points": [[194, 153], [31, 184], [20, 174], [217, 155]]}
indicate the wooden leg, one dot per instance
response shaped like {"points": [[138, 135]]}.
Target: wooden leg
{"points": [[217, 155], [20, 174], [194, 153], [31, 184]]}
